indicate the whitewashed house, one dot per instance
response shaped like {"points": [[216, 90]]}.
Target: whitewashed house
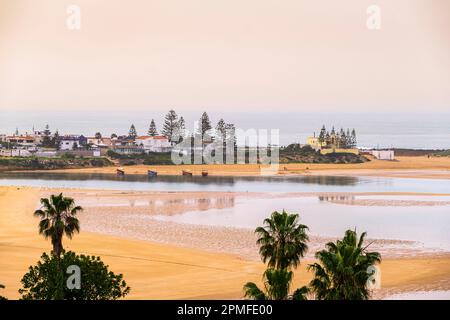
{"points": [[154, 144], [71, 142]]}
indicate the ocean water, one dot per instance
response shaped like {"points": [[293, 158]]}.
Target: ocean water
{"points": [[384, 130]]}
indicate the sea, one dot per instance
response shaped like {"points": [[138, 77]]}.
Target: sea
{"points": [[416, 130]]}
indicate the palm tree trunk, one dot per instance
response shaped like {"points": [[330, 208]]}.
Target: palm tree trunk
{"points": [[57, 246]]}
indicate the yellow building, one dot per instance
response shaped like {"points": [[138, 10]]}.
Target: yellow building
{"points": [[314, 143]]}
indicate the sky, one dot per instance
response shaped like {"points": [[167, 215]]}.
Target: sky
{"points": [[249, 55]]}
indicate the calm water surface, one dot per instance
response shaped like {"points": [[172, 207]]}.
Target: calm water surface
{"points": [[429, 225], [232, 184]]}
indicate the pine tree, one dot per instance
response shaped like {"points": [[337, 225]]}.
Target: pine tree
{"points": [[327, 139], [47, 140], [132, 133], [205, 124], [152, 129], [353, 139], [47, 131], [348, 140], [181, 126], [55, 140], [322, 135], [221, 130], [230, 133], [342, 139], [170, 124]]}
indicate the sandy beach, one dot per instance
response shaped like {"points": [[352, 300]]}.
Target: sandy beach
{"points": [[405, 167], [167, 260]]}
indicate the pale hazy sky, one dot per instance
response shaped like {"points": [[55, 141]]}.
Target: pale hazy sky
{"points": [[225, 54]]}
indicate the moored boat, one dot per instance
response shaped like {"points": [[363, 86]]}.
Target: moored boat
{"points": [[186, 173], [120, 172], [204, 173], [152, 173]]}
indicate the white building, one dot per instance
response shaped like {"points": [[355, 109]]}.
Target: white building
{"points": [[154, 144], [383, 154], [100, 142], [68, 143]]}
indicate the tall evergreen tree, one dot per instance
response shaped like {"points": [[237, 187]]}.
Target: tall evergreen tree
{"points": [[221, 130], [230, 134], [170, 124], [205, 124], [181, 128], [322, 135], [47, 139], [353, 139], [342, 139], [152, 129], [327, 139], [132, 133], [348, 137], [55, 140]]}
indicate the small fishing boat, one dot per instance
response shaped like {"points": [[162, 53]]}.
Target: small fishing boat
{"points": [[204, 173], [186, 173], [120, 172], [152, 173]]}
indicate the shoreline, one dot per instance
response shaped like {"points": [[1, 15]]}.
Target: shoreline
{"points": [[403, 167]]}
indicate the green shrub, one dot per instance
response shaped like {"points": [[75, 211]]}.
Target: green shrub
{"points": [[47, 280]]}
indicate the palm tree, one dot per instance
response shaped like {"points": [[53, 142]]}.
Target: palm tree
{"points": [[343, 270], [58, 217], [276, 287], [282, 240], [2, 287]]}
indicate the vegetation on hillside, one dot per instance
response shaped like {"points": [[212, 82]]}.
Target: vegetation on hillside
{"points": [[44, 163], [445, 153], [151, 158], [294, 153]]}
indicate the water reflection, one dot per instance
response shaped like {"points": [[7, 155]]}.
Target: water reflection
{"points": [[153, 205], [217, 180], [276, 184]]}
